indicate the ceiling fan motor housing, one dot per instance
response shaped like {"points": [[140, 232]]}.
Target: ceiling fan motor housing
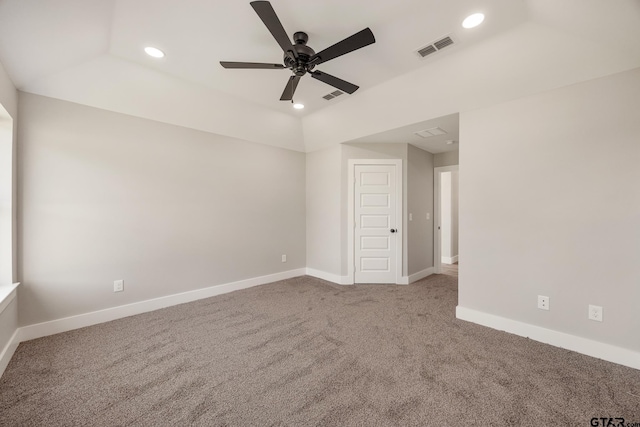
{"points": [[300, 58], [301, 65]]}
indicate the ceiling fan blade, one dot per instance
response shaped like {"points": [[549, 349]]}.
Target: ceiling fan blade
{"points": [[290, 88], [335, 82], [227, 64], [272, 22], [354, 42]]}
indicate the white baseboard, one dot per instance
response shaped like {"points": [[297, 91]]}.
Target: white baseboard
{"points": [[422, 274], [39, 330], [345, 280], [329, 277], [450, 260], [581, 345], [7, 352]]}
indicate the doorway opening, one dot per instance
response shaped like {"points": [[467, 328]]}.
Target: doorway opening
{"points": [[446, 253]]}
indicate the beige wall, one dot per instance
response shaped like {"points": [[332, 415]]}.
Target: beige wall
{"points": [[550, 205], [105, 196]]}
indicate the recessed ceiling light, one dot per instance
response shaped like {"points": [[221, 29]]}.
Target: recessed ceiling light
{"points": [[473, 20], [298, 106], [155, 52]]}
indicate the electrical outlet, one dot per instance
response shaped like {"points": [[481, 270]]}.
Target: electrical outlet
{"points": [[595, 313], [428, 216], [118, 286], [543, 302], [284, 258], [410, 217]]}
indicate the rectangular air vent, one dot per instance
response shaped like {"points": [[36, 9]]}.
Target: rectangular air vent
{"points": [[437, 45], [333, 94], [441, 44], [427, 50], [427, 133]]}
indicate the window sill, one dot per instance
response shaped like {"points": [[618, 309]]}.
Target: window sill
{"points": [[7, 294]]}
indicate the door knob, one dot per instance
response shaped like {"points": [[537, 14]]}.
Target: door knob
{"points": [[393, 230]]}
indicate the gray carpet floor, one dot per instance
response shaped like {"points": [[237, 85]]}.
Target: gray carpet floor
{"points": [[305, 352]]}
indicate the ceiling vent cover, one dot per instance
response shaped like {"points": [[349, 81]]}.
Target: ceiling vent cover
{"points": [[333, 94], [428, 133], [427, 50], [437, 45]]}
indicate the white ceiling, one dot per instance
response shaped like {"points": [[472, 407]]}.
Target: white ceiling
{"points": [[40, 38], [433, 144], [91, 52]]}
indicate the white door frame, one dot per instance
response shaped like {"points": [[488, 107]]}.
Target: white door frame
{"points": [[437, 238], [351, 225]]}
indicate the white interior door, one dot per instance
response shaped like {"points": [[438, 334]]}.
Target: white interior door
{"points": [[376, 224]]}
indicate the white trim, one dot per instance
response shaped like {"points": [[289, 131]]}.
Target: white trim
{"points": [[351, 215], [581, 345], [7, 352], [87, 319], [422, 274], [329, 277], [7, 294], [437, 243], [449, 260]]}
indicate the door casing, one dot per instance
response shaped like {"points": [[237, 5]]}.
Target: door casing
{"points": [[351, 215]]}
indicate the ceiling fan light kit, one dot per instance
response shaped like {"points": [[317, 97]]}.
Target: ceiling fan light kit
{"points": [[300, 58]]}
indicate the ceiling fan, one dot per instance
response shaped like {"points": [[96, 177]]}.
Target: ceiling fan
{"points": [[299, 57]]}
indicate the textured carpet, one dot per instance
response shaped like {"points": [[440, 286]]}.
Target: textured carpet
{"points": [[304, 352]]}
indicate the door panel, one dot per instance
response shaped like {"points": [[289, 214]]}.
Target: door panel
{"points": [[375, 217]]}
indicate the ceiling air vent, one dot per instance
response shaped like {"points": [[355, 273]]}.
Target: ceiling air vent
{"points": [[427, 133], [441, 44], [437, 45], [333, 94], [427, 50]]}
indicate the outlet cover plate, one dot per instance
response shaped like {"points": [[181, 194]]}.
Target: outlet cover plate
{"points": [[595, 313], [543, 302], [118, 286]]}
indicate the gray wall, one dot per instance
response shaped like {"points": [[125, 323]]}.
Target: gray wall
{"points": [[327, 204], [106, 196], [455, 202], [323, 210], [450, 158], [550, 205], [419, 203]]}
